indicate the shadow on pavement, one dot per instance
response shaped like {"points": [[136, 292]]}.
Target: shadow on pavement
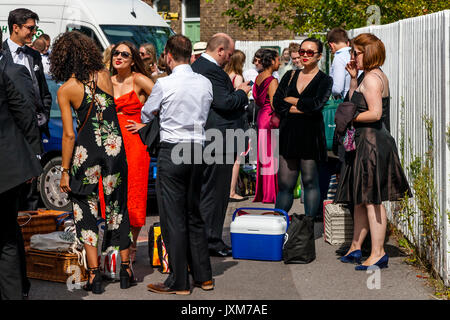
{"points": [[219, 265]]}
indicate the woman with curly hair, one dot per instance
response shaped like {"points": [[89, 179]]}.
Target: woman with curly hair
{"points": [[88, 90], [263, 91], [132, 87]]}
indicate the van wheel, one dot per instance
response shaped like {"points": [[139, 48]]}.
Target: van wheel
{"points": [[52, 197]]}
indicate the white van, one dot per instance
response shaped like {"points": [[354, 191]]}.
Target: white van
{"points": [[106, 21]]}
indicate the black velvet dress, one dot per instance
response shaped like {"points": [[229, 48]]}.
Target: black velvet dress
{"points": [[373, 172], [302, 136]]}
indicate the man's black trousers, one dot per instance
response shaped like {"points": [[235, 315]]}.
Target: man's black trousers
{"points": [[10, 246], [214, 201], [178, 189]]}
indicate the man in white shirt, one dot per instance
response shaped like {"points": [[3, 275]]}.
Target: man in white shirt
{"points": [[338, 42], [183, 100]]}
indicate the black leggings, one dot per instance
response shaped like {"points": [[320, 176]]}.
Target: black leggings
{"points": [[287, 179]]}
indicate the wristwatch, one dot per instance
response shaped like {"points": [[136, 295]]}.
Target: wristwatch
{"points": [[64, 170]]}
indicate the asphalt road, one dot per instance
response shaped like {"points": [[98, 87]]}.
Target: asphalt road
{"points": [[324, 278]]}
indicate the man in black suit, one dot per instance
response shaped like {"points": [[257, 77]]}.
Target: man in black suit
{"points": [[22, 28], [20, 144], [227, 112]]}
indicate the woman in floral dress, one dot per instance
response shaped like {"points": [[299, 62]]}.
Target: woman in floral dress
{"points": [[97, 151]]}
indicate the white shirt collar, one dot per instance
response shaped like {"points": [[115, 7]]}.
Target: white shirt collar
{"points": [[12, 46], [182, 68], [208, 57], [343, 49]]}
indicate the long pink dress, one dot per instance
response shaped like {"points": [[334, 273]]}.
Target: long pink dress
{"points": [[266, 170]]}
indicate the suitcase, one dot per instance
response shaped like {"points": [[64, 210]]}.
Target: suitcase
{"points": [[337, 224], [258, 236]]}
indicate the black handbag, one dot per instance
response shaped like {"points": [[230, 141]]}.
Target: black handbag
{"points": [[150, 137], [299, 247]]}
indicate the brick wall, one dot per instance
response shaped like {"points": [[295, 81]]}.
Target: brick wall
{"points": [[212, 21]]}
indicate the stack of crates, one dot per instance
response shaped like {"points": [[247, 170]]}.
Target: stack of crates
{"points": [[338, 224]]}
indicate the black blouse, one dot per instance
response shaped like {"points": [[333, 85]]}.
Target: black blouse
{"points": [[302, 136]]}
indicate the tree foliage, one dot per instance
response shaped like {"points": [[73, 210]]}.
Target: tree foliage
{"points": [[310, 16]]}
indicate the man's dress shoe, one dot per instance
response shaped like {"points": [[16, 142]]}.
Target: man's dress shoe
{"points": [[161, 288], [221, 253]]}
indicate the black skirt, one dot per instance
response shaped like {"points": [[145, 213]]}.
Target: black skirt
{"points": [[373, 172]]}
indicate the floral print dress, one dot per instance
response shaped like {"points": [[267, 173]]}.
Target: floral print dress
{"points": [[99, 152]]}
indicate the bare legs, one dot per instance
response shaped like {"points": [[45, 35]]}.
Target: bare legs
{"points": [[135, 232], [373, 217], [234, 179]]}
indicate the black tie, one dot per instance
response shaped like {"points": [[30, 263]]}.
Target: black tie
{"points": [[19, 50]]}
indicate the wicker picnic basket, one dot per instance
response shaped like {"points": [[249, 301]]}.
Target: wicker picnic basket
{"points": [[38, 222], [54, 266]]}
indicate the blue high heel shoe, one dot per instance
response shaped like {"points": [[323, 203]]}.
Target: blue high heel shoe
{"points": [[382, 263], [352, 257]]}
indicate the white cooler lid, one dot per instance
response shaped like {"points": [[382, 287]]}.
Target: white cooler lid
{"points": [[259, 224]]}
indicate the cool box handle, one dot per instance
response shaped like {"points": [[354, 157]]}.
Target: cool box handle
{"points": [[281, 211]]}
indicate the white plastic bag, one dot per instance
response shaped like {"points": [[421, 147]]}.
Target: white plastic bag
{"points": [[55, 241]]}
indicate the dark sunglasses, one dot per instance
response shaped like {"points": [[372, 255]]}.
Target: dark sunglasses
{"points": [[309, 53], [31, 28], [355, 54], [124, 54]]}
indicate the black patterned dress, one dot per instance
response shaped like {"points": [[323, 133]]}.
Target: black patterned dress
{"points": [[99, 152]]}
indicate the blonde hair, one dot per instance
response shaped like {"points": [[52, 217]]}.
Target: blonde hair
{"points": [[151, 50], [107, 56], [236, 63]]}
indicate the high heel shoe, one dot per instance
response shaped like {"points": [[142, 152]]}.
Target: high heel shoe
{"points": [[352, 257], [382, 263], [126, 280], [96, 285]]}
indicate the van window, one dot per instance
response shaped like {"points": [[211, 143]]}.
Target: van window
{"points": [[87, 31], [138, 35]]}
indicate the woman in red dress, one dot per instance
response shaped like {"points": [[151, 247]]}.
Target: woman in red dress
{"points": [[132, 86]]}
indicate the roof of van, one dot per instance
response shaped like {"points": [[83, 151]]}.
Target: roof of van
{"points": [[120, 12], [115, 12]]}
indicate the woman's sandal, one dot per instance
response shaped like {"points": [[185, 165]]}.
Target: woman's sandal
{"points": [[96, 285], [126, 280]]}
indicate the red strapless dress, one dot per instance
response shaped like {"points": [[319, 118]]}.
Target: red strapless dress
{"points": [[129, 107]]}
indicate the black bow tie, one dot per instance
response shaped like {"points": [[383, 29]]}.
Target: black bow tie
{"points": [[19, 50]]}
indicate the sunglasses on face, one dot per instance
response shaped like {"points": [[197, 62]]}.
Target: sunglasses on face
{"points": [[124, 54], [142, 53], [355, 53], [309, 53], [31, 28]]}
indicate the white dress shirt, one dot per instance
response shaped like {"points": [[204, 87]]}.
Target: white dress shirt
{"points": [[183, 99], [208, 57], [18, 58], [46, 65], [341, 78]]}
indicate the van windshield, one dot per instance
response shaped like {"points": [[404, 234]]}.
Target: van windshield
{"points": [[138, 35]]}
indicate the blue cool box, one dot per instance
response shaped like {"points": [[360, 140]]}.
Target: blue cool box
{"points": [[258, 237]]}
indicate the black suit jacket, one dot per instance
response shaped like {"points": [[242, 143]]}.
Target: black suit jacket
{"points": [[228, 106], [43, 97], [18, 133]]}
